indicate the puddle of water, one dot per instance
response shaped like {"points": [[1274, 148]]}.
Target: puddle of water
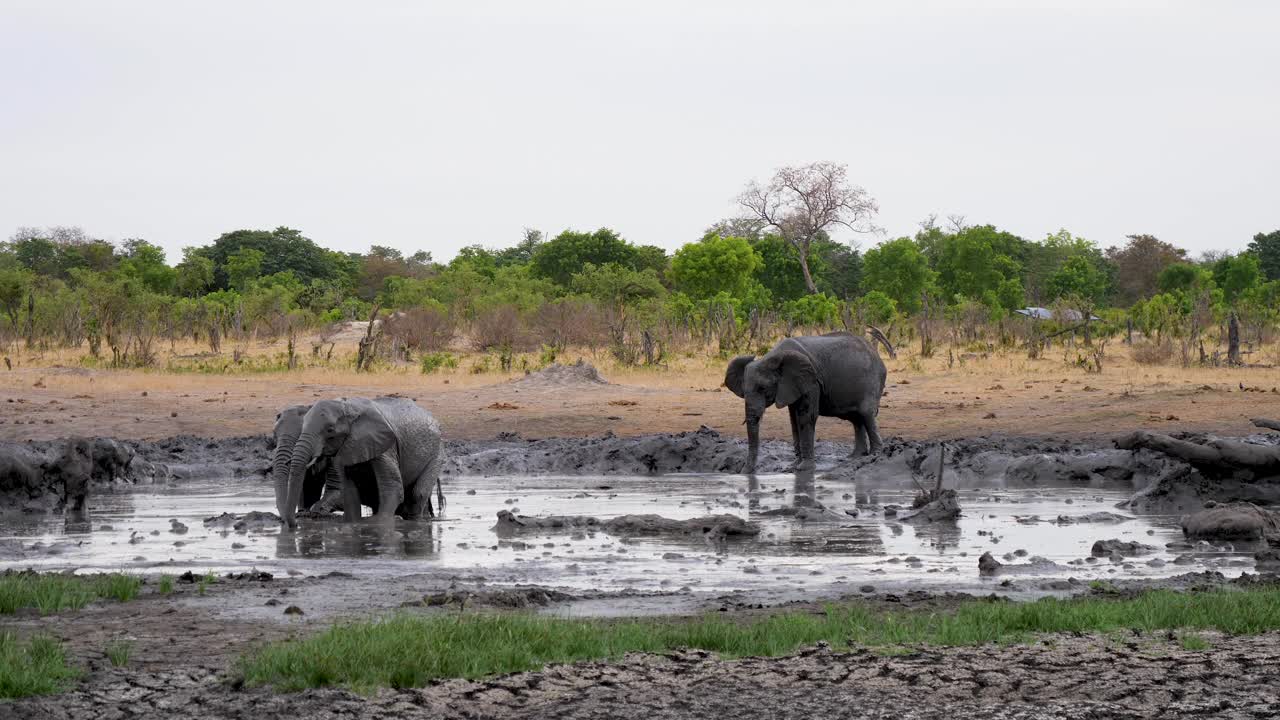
{"points": [[132, 531]]}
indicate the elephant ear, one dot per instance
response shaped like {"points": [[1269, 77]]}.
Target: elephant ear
{"points": [[733, 375], [796, 377], [370, 436]]}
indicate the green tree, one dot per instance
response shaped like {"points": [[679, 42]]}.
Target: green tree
{"points": [[146, 262], [877, 307], [569, 252], [15, 284], [194, 275], [1139, 264], [282, 249], [1237, 274], [1266, 246], [1083, 286], [522, 252], [1180, 276], [713, 265], [836, 267], [243, 267], [779, 270], [898, 269]]}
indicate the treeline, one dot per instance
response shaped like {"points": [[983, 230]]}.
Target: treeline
{"points": [[739, 286]]}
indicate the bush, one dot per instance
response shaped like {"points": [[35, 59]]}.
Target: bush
{"points": [[421, 328], [432, 362], [1149, 353]]}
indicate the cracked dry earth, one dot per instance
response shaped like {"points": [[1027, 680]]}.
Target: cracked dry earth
{"points": [[1067, 677]]}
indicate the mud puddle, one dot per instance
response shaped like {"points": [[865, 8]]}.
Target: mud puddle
{"points": [[161, 530]]}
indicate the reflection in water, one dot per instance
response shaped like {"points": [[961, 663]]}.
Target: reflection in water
{"points": [[802, 546], [332, 538], [940, 536]]}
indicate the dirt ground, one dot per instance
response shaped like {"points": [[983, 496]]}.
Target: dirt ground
{"points": [[999, 395], [183, 651]]}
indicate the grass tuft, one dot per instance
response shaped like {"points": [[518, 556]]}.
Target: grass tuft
{"points": [[410, 651], [118, 652], [166, 584], [51, 593], [35, 667]]}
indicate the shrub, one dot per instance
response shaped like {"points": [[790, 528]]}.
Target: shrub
{"points": [[433, 361], [421, 328], [1149, 353]]}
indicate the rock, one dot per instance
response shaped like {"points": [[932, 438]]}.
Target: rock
{"points": [[177, 528], [945, 506], [1267, 559], [1107, 548], [988, 565], [293, 610], [1232, 521], [249, 522]]}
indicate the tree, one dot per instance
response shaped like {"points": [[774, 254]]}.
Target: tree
{"points": [[713, 265], [1139, 264], [836, 267], [1179, 276], [195, 274], [802, 202], [779, 270], [1048, 256], [898, 269], [146, 262], [567, 253], [968, 264], [1267, 249], [522, 252], [1082, 285], [15, 284], [243, 267], [282, 249], [1237, 275]]}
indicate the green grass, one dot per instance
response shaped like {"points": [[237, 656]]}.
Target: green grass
{"points": [[35, 667], [118, 652], [409, 651], [1194, 642], [51, 593], [166, 584], [205, 581]]}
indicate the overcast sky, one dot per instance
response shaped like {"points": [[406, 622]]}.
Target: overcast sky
{"points": [[433, 125]]}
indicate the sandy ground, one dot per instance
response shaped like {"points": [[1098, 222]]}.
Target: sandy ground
{"points": [[1017, 397]]}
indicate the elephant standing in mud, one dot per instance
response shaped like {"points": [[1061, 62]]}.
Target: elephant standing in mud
{"points": [[834, 375], [318, 494], [390, 445]]}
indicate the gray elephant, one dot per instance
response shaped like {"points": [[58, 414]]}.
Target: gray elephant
{"points": [[834, 375], [72, 470], [394, 439], [319, 495]]}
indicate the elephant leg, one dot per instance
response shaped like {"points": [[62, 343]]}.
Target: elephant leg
{"points": [[805, 459], [795, 431], [873, 432], [331, 495], [350, 493], [386, 469], [418, 494], [859, 438]]}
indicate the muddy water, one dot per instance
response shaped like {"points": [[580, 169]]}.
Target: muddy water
{"points": [[790, 559]]}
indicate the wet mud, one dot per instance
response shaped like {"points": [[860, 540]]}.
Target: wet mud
{"points": [[659, 524]]}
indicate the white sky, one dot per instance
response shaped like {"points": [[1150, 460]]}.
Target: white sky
{"points": [[441, 124]]}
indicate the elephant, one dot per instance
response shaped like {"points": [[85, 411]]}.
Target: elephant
{"points": [[318, 495], [392, 438], [834, 375], [72, 470]]}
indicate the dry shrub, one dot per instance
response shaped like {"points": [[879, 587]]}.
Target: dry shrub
{"points": [[571, 321], [425, 329], [504, 329], [1149, 353]]}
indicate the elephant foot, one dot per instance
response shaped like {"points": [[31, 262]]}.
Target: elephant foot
{"points": [[804, 465]]}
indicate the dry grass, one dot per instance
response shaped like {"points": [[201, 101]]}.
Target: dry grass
{"points": [[947, 395]]}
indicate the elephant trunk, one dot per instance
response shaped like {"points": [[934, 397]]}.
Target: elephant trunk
{"points": [[753, 441], [280, 470], [304, 451]]}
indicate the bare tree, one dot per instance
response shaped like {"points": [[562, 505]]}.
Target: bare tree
{"points": [[805, 201]]}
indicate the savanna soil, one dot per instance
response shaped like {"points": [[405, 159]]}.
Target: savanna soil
{"points": [[184, 644], [925, 399]]}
